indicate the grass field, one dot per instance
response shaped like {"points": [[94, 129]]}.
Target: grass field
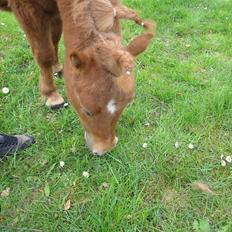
{"points": [[184, 93]]}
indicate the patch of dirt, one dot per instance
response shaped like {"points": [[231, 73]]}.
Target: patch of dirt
{"points": [[171, 199]]}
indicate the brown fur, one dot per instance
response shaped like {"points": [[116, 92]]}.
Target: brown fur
{"points": [[97, 67]]}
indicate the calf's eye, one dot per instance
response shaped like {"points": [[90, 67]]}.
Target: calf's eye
{"points": [[87, 112]]}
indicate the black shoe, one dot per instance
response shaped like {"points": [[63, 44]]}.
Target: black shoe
{"points": [[9, 144]]}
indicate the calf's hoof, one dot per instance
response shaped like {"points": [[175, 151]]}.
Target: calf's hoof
{"points": [[57, 107], [55, 101]]}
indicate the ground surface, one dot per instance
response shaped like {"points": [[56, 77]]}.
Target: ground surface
{"points": [[184, 92]]}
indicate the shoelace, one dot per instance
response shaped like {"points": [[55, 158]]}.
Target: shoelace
{"points": [[9, 141]]}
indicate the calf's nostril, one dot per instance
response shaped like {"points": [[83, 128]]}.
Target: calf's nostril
{"points": [[98, 153]]}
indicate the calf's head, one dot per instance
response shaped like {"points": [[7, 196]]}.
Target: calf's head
{"points": [[100, 83]]}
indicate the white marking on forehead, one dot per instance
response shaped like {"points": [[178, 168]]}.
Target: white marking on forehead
{"points": [[111, 107]]}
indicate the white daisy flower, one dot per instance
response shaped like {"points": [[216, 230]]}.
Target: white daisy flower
{"points": [[62, 164], [3, 24], [85, 174], [5, 90], [177, 144], [191, 146], [147, 124], [145, 145], [228, 159], [105, 185], [223, 163], [187, 45]]}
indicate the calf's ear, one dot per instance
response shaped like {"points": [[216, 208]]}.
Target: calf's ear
{"points": [[141, 42]]}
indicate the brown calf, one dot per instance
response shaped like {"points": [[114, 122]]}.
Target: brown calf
{"points": [[98, 70]]}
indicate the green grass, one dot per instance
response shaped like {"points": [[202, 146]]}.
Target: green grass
{"points": [[184, 92]]}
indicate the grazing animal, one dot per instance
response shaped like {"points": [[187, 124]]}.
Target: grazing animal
{"points": [[98, 69]]}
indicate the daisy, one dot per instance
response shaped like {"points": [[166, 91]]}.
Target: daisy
{"points": [[5, 90], [85, 174], [191, 146], [145, 145], [61, 164]]}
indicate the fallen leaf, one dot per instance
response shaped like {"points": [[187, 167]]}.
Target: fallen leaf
{"points": [[5, 193], [202, 187], [67, 205]]}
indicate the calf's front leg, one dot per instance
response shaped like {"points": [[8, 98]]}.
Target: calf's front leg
{"points": [[37, 27]]}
